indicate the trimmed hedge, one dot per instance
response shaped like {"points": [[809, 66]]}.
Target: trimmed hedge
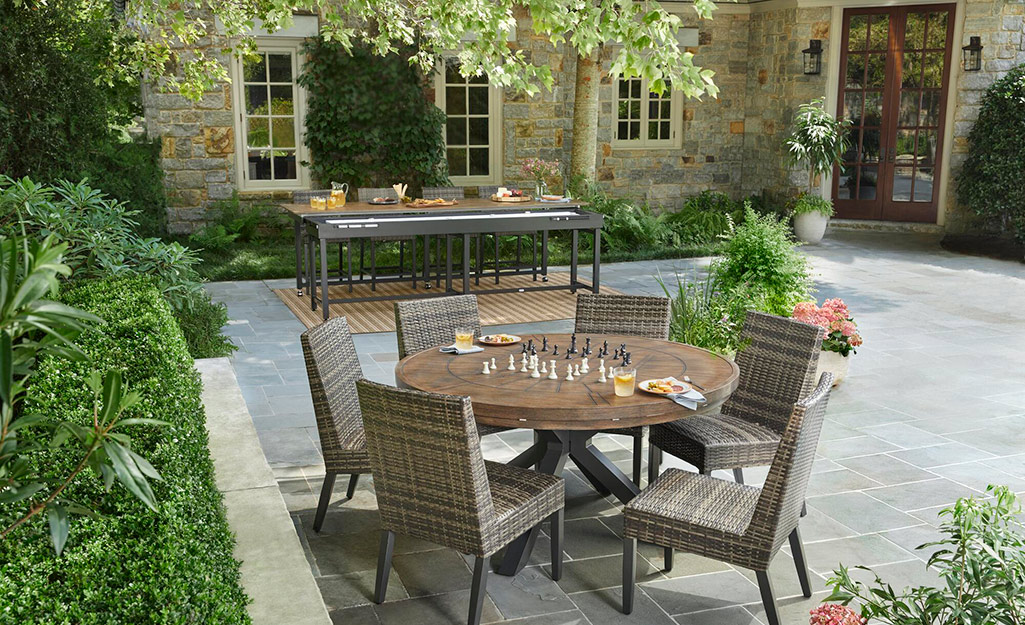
{"points": [[130, 565]]}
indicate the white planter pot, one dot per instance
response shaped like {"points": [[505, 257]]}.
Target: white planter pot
{"points": [[809, 227], [833, 363]]}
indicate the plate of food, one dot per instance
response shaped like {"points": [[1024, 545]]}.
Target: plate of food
{"points": [[553, 198], [664, 386], [498, 339], [510, 195], [422, 203], [383, 200]]}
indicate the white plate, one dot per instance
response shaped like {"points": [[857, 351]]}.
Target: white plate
{"points": [[684, 387], [486, 340]]}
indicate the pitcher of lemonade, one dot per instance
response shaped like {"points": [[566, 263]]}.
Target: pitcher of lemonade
{"points": [[338, 191]]}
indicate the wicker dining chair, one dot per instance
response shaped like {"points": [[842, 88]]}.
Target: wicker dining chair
{"points": [[777, 368], [633, 315], [727, 521], [304, 196], [433, 483], [333, 368], [446, 193]]}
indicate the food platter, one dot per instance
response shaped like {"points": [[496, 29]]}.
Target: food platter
{"points": [[422, 203], [522, 198], [664, 386], [378, 201], [498, 339]]}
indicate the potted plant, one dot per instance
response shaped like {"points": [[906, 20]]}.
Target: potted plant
{"points": [[840, 335], [541, 172], [811, 214], [816, 141]]}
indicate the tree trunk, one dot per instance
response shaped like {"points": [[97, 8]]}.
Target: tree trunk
{"points": [[585, 117]]}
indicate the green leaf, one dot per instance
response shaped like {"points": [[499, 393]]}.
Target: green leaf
{"points": [[57, 516]]}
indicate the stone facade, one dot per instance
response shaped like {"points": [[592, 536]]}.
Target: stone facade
{"points": [[731, 143]]}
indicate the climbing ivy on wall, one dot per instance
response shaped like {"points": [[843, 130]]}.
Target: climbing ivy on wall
{"points": [[369, 122]]}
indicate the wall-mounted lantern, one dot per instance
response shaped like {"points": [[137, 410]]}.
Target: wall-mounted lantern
{"points": [[813, 57], [972, 55]]}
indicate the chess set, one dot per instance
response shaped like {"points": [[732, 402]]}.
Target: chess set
{"points": [[536, 366]]}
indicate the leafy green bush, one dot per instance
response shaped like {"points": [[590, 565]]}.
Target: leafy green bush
{"points": [[130, 172], [705, 314], [129, 565], [992, 180], [706, 217], [806, 203], [627, 227], [760, 255], [368, 120], [242, 222]]}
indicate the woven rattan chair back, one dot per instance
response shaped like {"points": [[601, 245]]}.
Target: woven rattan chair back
{"points": [[445, 193], [303, 197], [333, 368], [365, 194], [429, 473], [422, 324], [782, 498], [633, 315], [487, 191], [777, 369]]}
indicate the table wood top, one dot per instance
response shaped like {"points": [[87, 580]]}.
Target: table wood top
{"points": [[514, 399], [470, 204]]}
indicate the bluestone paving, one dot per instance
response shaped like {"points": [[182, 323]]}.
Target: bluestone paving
{"points": [[932, 410]]}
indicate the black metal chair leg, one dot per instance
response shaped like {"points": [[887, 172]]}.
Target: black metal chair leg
{"points": [[412, 260], [384, 565], [325, 499], [768, 597], [519, 252], [480, 258], [437, 257], [402, 258], [362, 249], [667, 559], [353, 480], [556, 532], [373, 266], [652, 463], [348, 262], [629, 573], [498, 261], [705, 471], [533, 258], [477, 590], [638, 453], [738, 475], [797, 548]]}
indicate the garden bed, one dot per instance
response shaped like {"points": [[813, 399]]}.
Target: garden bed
{"points": [[991, 245], [129, 565]]}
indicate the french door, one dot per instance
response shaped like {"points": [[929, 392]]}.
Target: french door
{"points": [[894, 72]]}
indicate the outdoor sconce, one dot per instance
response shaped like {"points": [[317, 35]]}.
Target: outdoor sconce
{"points": [[813, 57], [972, 55]]}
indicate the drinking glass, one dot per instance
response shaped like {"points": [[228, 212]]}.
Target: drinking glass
{"points": [[625, 379], [464, 338]]}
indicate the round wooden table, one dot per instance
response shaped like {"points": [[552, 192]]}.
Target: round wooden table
{"points": [[567, 414]]}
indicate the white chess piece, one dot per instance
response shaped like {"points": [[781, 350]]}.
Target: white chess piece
{"points": [[512, 363], [576, 370], [544, 367], [535, 373], [601, 376], [552, 374], [601, 365], [524, 369], [569, 373], [493, 365], [584, 368], [487, 368]]}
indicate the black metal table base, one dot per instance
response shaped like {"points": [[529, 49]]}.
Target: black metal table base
{"points": [[549, 454]]}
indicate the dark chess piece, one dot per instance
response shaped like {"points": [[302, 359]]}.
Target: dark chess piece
{"points": [[615, 356], [555, 351], [626, 359], [524, 350], [544, 343], [530, 345], [572, 344], [533, 351], [605, 347], [587, 346]]}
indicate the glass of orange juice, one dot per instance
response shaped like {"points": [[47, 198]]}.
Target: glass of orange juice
{"points": [[464, 338], [625, 380]]}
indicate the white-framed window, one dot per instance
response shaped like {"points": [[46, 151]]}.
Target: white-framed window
{"points": [[644, 119], [270, 111], [473, 126]]}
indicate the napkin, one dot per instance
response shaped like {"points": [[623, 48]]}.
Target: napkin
{"points": [[452, 349], [690, 399]]}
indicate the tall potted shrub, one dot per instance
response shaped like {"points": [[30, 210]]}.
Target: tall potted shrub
{"points": [[816, 141]]}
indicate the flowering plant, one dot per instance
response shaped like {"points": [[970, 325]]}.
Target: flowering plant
{"points": [[839, 332], [540, 170], [835, 614]]}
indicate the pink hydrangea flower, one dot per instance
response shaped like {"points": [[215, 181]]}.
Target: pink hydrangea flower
{"points": [[834, 614], [839, 332]]}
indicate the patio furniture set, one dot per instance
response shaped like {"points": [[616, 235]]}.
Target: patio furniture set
{"points": [[471, 220], [421, 440]]}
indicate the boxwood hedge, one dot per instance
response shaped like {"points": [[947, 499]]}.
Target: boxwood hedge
{"points": [[129, 565]]}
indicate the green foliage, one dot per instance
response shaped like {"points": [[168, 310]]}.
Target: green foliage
{"points": [[201, 325], [368, 121], [706, 217], [807, 203], [128, 565], [239, 222], [760, 255], [992, 180], [130, 172], [627, 227], [981, 562], [817, 140], [705, 314]]}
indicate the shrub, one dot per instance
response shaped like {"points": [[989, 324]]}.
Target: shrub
{"points": [[243, 222], [129, 565], [991, 181], [807, 203], [761, 255], [627, 227], [706, 314], [130, 172], [706, 217]]}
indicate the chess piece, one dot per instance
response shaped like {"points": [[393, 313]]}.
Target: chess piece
{"points": [[487, 368], [544, 343], [584, 368], [493, 365], [569, 373], [622, 348], [512, 363], [605, 347], [524, 350], [576, 370], [534, 373], [533, 351], [572, 344], [552, 374], [555, 352], [601, 364], [615, 355], [587, 346], [523, 369], [530, 345], [601, 376], [544, 367], [626, 359]]}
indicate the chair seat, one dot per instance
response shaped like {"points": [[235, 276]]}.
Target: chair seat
{"points": [[685, 510], [351, 456], [718, 441], [522, 499]]}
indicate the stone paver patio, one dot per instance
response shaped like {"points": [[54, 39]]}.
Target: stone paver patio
{"points": [[934, 409]]}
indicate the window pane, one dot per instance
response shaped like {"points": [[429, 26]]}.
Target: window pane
{"points": [[258, 133], [623, 111], [452, 72], [281, 100], [876, 74], [478, 80], [635, 109], [937, 31], [870, 145], [652, 130], [914, 31], [873, 108], [254, 69], [624, 89], [652, 109], [256, 99], [930, 108], [923, 184], [879, 37], [259, 165], [479, 131], [622, 131], [852, 107], [635, 130], [635, 88], [284, 165], [479, 162], [908, 108], [455, 100], [846, 183], [284, 132], [933, 69], [867, 183], [855, 71], [455, 131], [904, 150], [280, 67], [478, 100], [664, 130], [912, 70], [926, 148], [456, 161], [858, 33], [667, 107]]}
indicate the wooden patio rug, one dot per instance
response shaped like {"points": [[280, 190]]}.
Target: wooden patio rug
{"points": [[495, 308]]}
